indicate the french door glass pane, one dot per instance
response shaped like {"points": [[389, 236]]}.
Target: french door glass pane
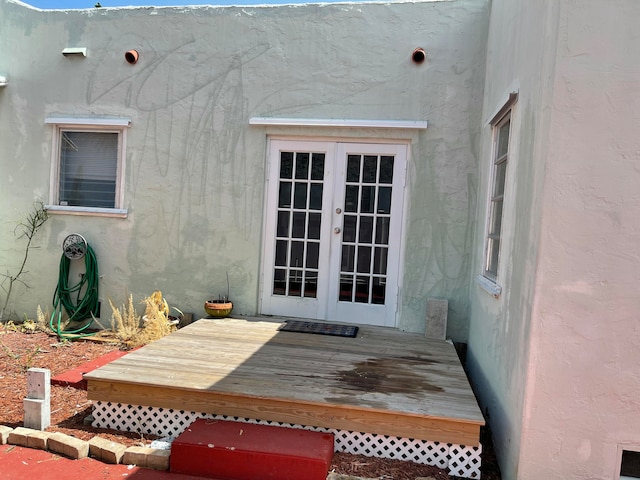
{"points": [[279, 282], [379, 291], [311, 285], [346, 288], [313, 231], [365, 233], [282, 228], [315, 197], [317, 166], [386, 170], [286, 165], [351, 198], [299, 221], [300, 195], [362, 289], [364, 259], [370, 169], [298, 224], [348, 258], [384, 200], [353, 168], [367, 199], [302, 166], [382, 231], [281, 253], [366, 230], [297, 254], [284, 197], [349, 228], [295, 283], [380, 260], [313, 254]]}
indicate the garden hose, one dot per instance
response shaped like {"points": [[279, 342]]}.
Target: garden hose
{"points": [[85, 304]]}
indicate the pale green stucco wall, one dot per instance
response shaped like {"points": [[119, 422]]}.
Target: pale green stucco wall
{"points": [[521, 58], [195, 168]]}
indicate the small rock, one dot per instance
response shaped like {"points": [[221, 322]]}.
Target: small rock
{"points": [[163, 443], [340, 476]]}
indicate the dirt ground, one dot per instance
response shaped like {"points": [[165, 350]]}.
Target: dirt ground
{"points": [[20, 351]]}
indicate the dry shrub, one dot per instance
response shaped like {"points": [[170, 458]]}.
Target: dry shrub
{"points": [[42, 321], [156, 319], [126, 327], [125, 323], [29, 325]]}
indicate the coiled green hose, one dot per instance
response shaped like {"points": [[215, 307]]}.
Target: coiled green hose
{"points": [[86, 297]]}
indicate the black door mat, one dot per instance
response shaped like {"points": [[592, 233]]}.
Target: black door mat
{"points": [[335, 330]]}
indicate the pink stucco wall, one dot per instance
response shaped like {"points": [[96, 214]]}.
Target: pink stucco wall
{"points": [[555, 357]]}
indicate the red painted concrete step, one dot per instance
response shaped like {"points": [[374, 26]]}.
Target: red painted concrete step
{"points": [[243, 451], [74, 378]]}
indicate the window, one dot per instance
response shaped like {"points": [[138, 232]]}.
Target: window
{"points": [[500, 157], [87, 166]]}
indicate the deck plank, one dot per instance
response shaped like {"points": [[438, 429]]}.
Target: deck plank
{"points": [[395, 383]]}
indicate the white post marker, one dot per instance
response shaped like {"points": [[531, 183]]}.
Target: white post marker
{"points": [[37, 405]]}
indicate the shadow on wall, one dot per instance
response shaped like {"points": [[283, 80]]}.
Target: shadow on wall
{"points": [[497, 421]]}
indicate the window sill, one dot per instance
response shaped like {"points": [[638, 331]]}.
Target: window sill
{"points": [[87, 211], [492, 288]]}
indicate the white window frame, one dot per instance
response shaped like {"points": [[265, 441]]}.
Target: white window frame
{"points": [[489, 270], [97, 125]]}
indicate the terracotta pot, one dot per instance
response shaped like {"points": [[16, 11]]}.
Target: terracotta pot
{"points": [[218, 308]]}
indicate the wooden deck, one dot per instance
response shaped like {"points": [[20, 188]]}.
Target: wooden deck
{"points": [[384, 381]]}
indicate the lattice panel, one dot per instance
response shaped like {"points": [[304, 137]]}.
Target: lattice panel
{"points": [[465, 461], [165, 422], [383, 446]]}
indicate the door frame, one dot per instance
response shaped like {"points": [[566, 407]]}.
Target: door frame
{"points": [[264, 289]]}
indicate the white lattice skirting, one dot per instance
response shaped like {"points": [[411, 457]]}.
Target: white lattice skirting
{"points": [[459, 460]]}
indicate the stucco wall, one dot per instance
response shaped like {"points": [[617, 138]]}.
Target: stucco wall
{"points": [[520, 58], [554, 359], [195, 168], [583, 398]]}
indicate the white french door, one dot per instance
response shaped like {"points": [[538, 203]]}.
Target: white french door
{"points": [[333, 231]]}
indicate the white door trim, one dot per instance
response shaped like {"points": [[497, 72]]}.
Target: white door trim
{"points": [[320, 308]]}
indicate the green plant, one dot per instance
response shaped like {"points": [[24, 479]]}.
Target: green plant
{"points": [[9, 352], [28, 359], [28, 363], [27, 228]]}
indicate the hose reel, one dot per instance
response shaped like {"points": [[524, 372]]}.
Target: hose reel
{"points": [[86, 303], [74, 246]]}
